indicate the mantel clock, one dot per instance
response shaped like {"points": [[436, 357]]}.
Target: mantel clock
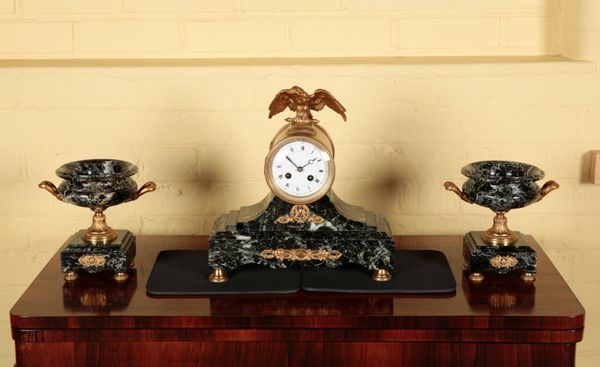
{"points": [[301, 222]]}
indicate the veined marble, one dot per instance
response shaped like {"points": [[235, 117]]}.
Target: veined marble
{"points": [[238, 237], [502, 185], [97, 183]]}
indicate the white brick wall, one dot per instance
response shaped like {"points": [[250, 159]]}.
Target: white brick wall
{"points": [[399, 5], [127, 37], [82, 91], [7, 6], [242, 36], [452, 33], [179, 6], [351, 37], [70, 6], [203, 93], [164, 164], [529, 32], [290, 5], [507, 4], [35, 37], [8, 97], [136, 29]]}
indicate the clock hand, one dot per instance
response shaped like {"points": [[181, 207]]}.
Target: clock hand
{"points": [[295, 165], [310, 161]]}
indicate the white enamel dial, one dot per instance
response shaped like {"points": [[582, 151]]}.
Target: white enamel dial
{"points": [[300, 170]]}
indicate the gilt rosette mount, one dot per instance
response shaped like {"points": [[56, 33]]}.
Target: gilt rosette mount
{"points": [[98, 184], [301, 222], [500, 186]]}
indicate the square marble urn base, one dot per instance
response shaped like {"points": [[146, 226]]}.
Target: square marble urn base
{"points": [[481, 257], [116, 257]]}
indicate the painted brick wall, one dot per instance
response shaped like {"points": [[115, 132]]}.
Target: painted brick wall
{"points": [[44, 29], [199, 127]]}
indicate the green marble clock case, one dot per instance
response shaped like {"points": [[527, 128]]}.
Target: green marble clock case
{"points": [[239, 237]]}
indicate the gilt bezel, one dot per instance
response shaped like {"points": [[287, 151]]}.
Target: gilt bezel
{"points": [[284, 195]]}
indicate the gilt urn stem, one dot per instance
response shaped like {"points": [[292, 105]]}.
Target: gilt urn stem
{"points": [[99, 232], [499, 234]]}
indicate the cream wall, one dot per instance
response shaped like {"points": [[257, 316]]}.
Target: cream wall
{"points": [[68, 29], [181, 90]]}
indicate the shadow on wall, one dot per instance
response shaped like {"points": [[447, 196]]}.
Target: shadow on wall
{"points": [[379, 196], [572, 19], [552, 27]]}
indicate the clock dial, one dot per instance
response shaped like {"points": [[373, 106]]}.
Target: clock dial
{"points": [[300, 168]]}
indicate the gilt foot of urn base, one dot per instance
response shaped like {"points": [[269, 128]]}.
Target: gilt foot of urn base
{"points": [[481, 257], [78, 256]]}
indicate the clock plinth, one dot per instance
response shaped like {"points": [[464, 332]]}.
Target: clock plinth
{"points": [[481, 257], [277, 234], [81, 256]]}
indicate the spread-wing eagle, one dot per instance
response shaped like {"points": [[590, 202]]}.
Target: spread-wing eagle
{"points": [[302, 103]]}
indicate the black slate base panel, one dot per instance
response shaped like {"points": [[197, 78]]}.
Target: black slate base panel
{"points": [[415, 271], [185, 273]]}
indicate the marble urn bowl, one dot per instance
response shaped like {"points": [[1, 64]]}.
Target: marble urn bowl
{"points": [[501, 186], [98, 184]]}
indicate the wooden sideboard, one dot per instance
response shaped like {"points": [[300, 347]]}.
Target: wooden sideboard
{"points": [[94, 322]]}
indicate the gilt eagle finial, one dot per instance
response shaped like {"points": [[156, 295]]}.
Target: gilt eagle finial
{"points": [[302, 103]]}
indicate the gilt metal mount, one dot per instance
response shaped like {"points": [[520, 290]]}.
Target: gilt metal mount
{"points": [[297, 100]]}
